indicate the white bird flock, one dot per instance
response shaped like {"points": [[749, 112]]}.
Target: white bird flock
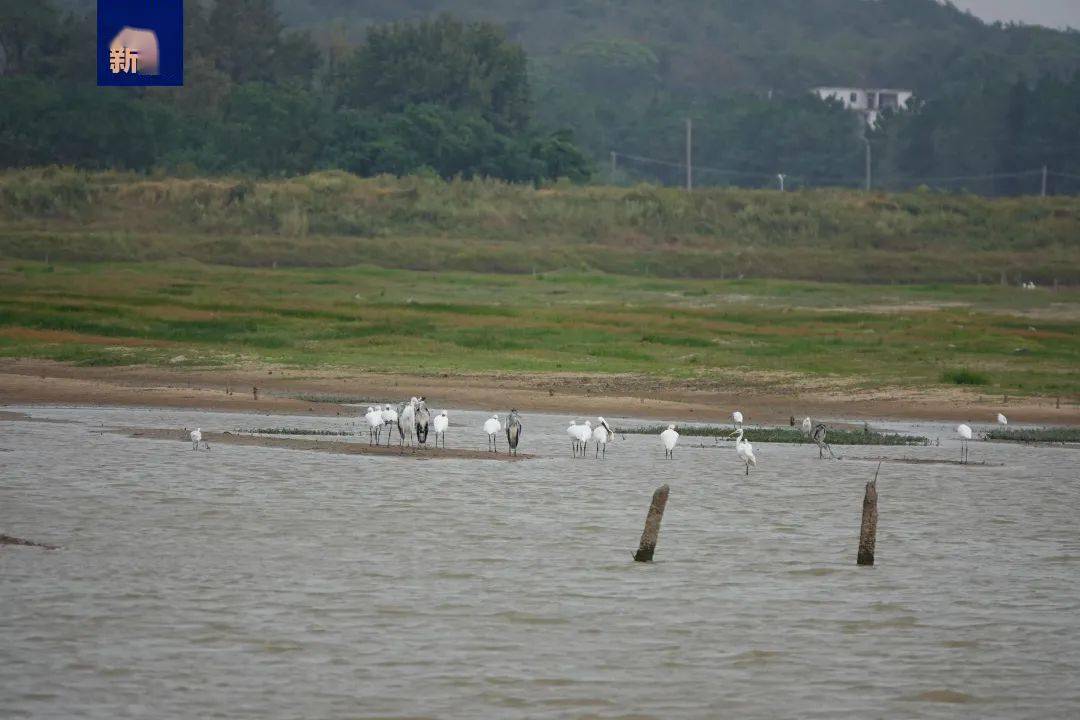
{"points": [[385, 418]]}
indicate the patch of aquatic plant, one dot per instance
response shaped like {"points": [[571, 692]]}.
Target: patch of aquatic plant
{"points": [[1049, 435], [964, 377], [785, 435], [295, 431]]}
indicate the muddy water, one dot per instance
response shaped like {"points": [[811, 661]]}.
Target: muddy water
{"points": [[263, 583]]}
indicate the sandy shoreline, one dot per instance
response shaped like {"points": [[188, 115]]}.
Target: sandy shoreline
{"points": [[324, 392]]}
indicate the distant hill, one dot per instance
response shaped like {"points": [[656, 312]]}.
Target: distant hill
{"points": [[715, 47], [995, 103]]}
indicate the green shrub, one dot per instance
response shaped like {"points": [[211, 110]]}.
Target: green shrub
{"points": [[964, 377]]}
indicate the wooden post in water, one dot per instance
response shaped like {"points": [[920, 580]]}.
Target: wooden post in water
{"points": [[652, 525], [868, 531]]}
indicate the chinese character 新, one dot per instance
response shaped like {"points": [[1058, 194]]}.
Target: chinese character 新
{"points": [[123, 60]]}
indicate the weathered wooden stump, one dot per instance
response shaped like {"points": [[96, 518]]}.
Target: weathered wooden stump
{"points": [[9, 540], [652, 525], [868, 531]]}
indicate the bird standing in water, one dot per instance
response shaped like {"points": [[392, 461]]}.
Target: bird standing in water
{"points": [[513, 431], [602, 435], [492, 426], [745, 450], [439, 424], [196, 438], [670, 438], [964, 432], [818, 436]]}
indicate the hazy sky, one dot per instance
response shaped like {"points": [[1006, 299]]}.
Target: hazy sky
{"points": [[1054, 13]]}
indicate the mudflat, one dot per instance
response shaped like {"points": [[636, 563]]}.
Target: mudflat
{"points": [[330, 392]]}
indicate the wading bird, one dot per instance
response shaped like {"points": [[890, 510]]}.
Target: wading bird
{"points": [[406, 422], [492, 428], [389, 418], [439, 424], [373, 416], [575, 437], [422, 421], [807, 426], [196, 438], [736, 417], [1002, 420], [965, 436], [513, 431], [602, 435], [670, 438], [744, 449], [818, 436], [584, 436]]}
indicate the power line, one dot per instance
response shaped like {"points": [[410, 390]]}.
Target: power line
{"points": [[807, 180]]}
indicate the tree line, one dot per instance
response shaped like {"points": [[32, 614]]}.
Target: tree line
{"points": [[372, 86], [441, 96]]}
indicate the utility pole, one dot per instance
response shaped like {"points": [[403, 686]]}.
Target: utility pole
{"points": [[689, 155], [1044, 173], [869, 165], [613, 166]]}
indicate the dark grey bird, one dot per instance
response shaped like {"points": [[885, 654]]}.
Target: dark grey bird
{"points": [[423, 421], [818, 436], [513, 431]]}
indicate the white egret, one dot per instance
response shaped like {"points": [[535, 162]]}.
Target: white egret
{"points": [[584, 435], [575, 437], [492, 428], [818, 436], [670, 438], [965, 436], [440, 423], [196, 438], [513, 431], [389, 417], [601, 435], [745, 450], [807, 426], [1002, 420], [373, 416], [736, 417]]}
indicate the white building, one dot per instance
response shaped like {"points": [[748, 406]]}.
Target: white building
{"points": [[870, 102]]}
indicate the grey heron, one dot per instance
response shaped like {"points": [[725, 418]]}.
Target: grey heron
{"points": [[513, 431]]}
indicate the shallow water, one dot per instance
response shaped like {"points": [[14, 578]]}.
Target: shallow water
{"points": [[265, 583]]}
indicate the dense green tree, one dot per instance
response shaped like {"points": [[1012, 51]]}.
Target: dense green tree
{"points": [[246, 40], [465, 67]]}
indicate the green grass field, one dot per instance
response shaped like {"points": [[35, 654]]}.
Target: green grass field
{"points": [[754, 333], [333, 219]]}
